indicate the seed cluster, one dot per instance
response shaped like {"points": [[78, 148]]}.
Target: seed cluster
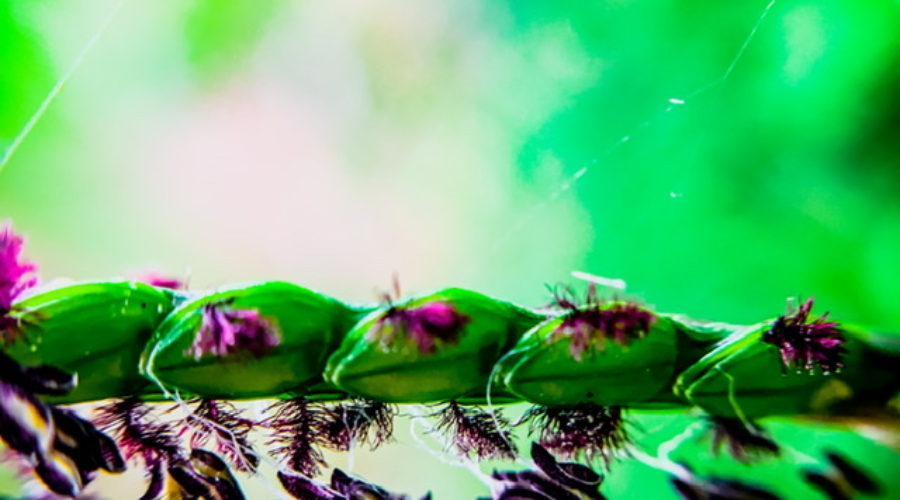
{"points": [[194, 458]]}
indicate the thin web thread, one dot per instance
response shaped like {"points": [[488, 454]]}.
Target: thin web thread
{"points": [[661, 464], [492, 411], [662, 460], [524, 219], [58, 87]]}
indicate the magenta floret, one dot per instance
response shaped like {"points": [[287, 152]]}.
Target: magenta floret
{"points": [[16, 275], [593, 323], [424, 325], [807, 344], [14, 272], [225, 331]]}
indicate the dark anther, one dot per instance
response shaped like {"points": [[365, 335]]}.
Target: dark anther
{"points": [[859, 480], [552, 480], [746, 441], [843, 481], [694, 488], [342, 487]]}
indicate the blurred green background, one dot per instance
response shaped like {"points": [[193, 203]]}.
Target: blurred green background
{"points": [[493, 145]]}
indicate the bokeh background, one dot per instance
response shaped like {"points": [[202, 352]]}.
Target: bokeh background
{"points": [[497, 145]]}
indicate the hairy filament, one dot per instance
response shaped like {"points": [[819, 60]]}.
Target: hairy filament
{"points": [[587, 428], [222, 423], [296, 427], [356, 422], [475, 432]]}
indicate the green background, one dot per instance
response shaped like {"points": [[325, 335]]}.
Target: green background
{"points": [[492, 145]]}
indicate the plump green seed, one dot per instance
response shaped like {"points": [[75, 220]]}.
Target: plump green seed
{"points": [[94, 330], [404, 353], [308, 326], [543, 370], [745, 377], [397, 370]]}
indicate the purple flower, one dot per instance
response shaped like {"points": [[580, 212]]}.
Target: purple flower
{"points": [[591, 324], [352, 488], [806, 344], [553, 480], [424, 325], [476, 433], [304, 488], [25, 422], [15, 277], [79, 450], [342, 487], [89, 448], [226, 331], [59, 474], [62, 449], [204, 475], [745, 441], [589, 428]]}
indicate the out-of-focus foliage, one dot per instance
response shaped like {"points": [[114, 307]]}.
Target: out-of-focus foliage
{"points": [[221, 35], [26, 75], [333, 143], [783, 179]]}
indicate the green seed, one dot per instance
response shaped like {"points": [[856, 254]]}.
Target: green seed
{"points": [[308, 326], [388, 356], [95, 330], [745, 377]]}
